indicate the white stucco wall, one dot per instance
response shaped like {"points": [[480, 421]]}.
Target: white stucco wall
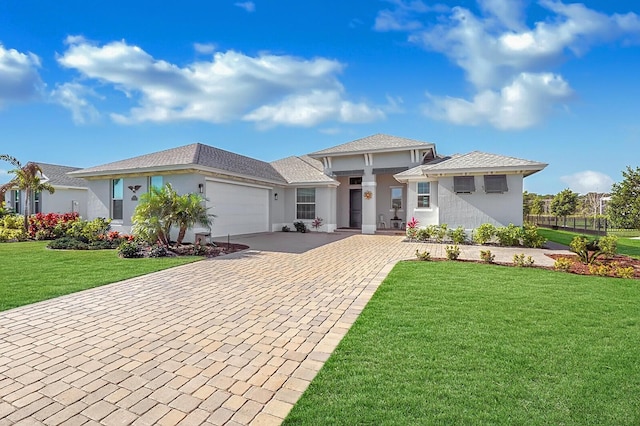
{"points": [[472, 210], [65, 200], [326, 200], [424, 216]]}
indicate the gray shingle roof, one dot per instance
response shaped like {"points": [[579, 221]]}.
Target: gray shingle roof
{"points": [[195, 155], [301, 170], [378, 142], [475, 160], [56, 175]]}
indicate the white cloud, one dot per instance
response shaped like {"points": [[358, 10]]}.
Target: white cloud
{"points": [[19, 77], [249, 6], [516, 106], [497, 49], [267, 89], [73, 97], [402, 18], [204, 48], [588, 181]]}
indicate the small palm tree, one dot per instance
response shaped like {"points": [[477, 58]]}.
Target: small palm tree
{"points": [[190, 210], [27, 179], [155, 215]]}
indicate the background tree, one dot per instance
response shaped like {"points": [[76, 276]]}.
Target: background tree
{"points": [[624, 206], [26, 179], [564, 203], [537, 205]]}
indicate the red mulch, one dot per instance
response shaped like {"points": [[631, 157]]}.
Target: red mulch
{"points": [[618, 261]]}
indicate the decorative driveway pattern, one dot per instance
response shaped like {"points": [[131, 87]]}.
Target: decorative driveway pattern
{"points": [[231, 340]]}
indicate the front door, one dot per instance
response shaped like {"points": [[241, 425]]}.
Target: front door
{"points": [[355, 208]]}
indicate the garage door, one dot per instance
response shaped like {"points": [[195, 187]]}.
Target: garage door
{"points": [[239, 209]]}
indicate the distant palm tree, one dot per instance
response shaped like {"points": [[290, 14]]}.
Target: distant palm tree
{"points": [[27, 179], [190, 210]]}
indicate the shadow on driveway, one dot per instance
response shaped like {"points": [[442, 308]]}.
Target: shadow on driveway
{"points": [[286, 242]]}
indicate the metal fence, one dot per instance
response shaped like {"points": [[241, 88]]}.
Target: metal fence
{"points": [[585, 225]]}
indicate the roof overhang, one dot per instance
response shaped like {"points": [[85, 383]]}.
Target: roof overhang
{"points": [[435, 174], [421, 147]]}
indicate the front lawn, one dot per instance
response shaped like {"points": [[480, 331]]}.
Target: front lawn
{"points": [[465, 343], [30, 273], [626, 246]]}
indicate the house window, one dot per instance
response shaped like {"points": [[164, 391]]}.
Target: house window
{"points": [[36, 202], [424, 194], [496, 184], [396, 198], [355, 181], [464, 184], [16, 201], [156, 182], [117, 192], [305, 203]]}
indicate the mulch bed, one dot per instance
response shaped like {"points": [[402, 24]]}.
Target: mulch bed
{"points": [[215, 249], [618, 261]]}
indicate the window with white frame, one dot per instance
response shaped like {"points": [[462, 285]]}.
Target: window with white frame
{"points": [[117, 196], [16, 200], [396, 198], [305, 203], [495, 184], [36, 202], [156, 182], [424, 194], [464, 184]]}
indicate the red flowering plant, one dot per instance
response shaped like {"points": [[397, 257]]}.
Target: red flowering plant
{"points": [[51, 225], [412, 228]]}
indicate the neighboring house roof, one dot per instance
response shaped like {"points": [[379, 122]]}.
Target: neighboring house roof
{"points": [[378, 142], [56, 175], [300, 170], [193, 156], [475, 161]]}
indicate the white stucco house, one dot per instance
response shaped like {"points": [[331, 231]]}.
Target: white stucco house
{"points": [[380, 181], [70, 193]]}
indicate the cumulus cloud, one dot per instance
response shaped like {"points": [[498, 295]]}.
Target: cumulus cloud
{"points": [[73, 96], [19, 77], [204, 48], [588, 181], [500, 53], [516, 106], [249, 6], [403, 16], [266, 89]]}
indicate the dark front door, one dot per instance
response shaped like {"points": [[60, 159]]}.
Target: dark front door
{"points": [[355, 208]]}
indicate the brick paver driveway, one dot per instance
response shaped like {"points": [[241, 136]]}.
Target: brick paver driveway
{"points": [[232, 340]]}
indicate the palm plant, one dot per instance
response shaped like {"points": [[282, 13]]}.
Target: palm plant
{"points": [[190, 210], [155, 215], [27, 179]]}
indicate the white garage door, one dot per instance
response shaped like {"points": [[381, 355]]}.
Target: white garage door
{"points": [[239, 209]]}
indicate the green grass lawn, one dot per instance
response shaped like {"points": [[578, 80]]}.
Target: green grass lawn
{"points": [[30, 273], [627, 246], [465, 343]]}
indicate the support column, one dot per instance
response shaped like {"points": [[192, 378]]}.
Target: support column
{"points": [[369, 204]]}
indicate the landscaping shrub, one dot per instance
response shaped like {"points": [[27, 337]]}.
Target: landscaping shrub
{"points": [[68, 243], [458, 235], [508, 235], [12, 228], [484, 233], [601, 270], [423, 234], [285, 228], [425, 255], [90, 230], [50, 225], [317, 223], [300, 226], [412, 229], [522, 262], [563, 264], [531, 237], [487, 256], [130, 250], [158, 250], [622, 272], [453, 252], [608, 245], [103, 245]]}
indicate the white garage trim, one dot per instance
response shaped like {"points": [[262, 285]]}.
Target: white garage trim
{"points": [[239, 208]]}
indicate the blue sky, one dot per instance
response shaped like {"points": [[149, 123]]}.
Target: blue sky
{"points": [[552, 81]]}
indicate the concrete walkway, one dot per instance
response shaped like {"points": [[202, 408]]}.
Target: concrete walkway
{"points": [[231, 340]]}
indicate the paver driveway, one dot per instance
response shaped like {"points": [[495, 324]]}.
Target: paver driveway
{"points": [[232, 340]]}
